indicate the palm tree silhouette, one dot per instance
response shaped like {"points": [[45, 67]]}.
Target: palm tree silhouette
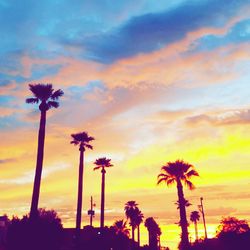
{"points": [[82, 139], [179, 172], [130, 212], [45, 94], [154, 232], [138, 220], [120, 227], [195, 217], [102, 163]]}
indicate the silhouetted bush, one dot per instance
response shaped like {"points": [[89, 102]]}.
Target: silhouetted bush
{"points": [[103, 239], [42, 233]]}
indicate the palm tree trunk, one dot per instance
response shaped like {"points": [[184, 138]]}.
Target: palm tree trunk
{"points": [[196, 230], [39, 166], [80, 188], [133, 234], [102, 199], [183, 216], [138, 235]]}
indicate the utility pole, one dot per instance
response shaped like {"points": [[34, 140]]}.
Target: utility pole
{"points": [[91, 212], [201, 208]]}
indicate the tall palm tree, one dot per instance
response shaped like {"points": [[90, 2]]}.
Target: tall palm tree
{"points": [[47, 97], [120, 227], [195, 217], [130, 212], [102, 163], [179, 172], [154, 232], [138, 220], [83, 140]]}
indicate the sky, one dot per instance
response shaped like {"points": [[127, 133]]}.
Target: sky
{"points": [[152, 81]]}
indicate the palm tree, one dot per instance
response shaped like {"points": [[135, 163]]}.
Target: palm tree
{"points": [[195, 217], [179, 172], [130, 212], [47, 97], [82, 139], [102, 163], [120, 227], [154, 232], [138, 220]]}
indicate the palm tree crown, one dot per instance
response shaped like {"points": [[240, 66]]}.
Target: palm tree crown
{"points": [[102, 163], [152, 226], [120, 227], [45, 94], [82, 139], [194, 216], [130, 206], [177, 171]]}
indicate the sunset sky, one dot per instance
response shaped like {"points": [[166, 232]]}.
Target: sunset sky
{"points": [[152, 81]]}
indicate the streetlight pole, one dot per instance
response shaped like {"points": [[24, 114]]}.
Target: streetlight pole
{"points": [[91, 212], [203, 216]]}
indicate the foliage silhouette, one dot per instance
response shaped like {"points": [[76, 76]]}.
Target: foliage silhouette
{"points": [[105, 239], [179, 172], [120, 227], [131, 209], [43, 232], [154, 233], [195, 217], [83, 140], [102, 163], [231, 225], [45, 94]]}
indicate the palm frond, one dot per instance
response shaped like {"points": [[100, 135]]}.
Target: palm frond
{"points": [[53, 104], [32, 100], [56, 94], [75, 142], [160, 180], [192, 173], [170, 181], [189, 184], [88, 146], [96, 168], [163, 175]]}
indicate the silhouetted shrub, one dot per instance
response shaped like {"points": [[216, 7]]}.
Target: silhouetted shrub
{"points": [[42, 233]]}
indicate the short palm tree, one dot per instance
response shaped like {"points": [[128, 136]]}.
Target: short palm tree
{"points": [[47, 97], [195, 217], [179, 172], [120, 227], [83, 140], [154, 232], [102, 163], [131, 208]]}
